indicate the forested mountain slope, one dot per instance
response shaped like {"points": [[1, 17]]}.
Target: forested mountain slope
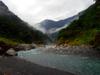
{"points": [[86, 30], [13, 29]]}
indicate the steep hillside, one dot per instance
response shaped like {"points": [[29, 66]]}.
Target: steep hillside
{"points": [[86, 30], [13, 29]]}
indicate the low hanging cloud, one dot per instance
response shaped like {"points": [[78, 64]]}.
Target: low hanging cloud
{"points": [[34, 11]]}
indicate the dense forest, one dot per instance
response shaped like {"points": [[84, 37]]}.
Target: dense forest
{"points": [[85, 30]]}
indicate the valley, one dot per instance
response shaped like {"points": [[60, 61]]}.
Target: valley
{"points": [[66, 47]]}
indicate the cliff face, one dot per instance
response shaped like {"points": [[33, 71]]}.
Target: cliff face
{"points": [[13, 28], [86, 30]]}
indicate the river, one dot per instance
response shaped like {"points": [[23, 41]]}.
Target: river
{"points": [[76, 64]]}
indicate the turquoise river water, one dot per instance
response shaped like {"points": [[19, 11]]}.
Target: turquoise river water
{"points": [[71, 63]]}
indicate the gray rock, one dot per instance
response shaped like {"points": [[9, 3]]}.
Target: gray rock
{"points": [[11, 52]]}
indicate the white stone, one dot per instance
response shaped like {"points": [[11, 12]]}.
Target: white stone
{"points": [[11, 51]]}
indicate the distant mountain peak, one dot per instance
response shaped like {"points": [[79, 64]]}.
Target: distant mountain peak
{"points": [[47, 21], [51, 26]]}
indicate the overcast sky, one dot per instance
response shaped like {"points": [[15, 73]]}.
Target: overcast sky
{"points": [[34, 11]]}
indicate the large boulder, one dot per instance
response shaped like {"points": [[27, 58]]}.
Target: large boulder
{"points": [[11, 52], [4, 47]]}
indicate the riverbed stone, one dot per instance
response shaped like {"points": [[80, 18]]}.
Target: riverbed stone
{"points": [[11, 52]]}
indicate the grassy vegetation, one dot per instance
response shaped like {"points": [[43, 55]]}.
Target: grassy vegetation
{"points": [[10, 41]]}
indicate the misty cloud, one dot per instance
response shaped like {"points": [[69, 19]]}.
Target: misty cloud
{"points": [[34, 11]]}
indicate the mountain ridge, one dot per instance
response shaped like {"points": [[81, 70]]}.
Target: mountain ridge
{"points": [[49, 26], [85, 30]]}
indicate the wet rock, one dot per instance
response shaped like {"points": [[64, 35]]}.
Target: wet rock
{"points": [[11, 52]]}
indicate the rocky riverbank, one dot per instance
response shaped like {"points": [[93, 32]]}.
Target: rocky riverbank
{"points": [[10, 50], [74, 50]]}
